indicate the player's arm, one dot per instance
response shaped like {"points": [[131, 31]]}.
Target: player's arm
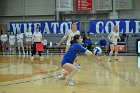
{"points": [[110, 36], [64, 38], [87, 52], [33, 38], [41, 37], [90, 54]]}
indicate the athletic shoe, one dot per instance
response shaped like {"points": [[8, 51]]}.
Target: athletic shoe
{"points": [[32, 58], [109, 60], [116, 58], [41, 58], [70, 82], [61, 76]]}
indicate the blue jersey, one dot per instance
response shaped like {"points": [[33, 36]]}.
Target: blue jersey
{"points": [[102, 42], [71, 54], [87, 41]]}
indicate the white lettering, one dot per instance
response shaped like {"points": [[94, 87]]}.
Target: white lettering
{"points": [[29, 26], [64, 24], [54, 25], [25, 27], [107, 26], [137, 26], [98, 25], [16, 27], [46, 29], [127, 27]]}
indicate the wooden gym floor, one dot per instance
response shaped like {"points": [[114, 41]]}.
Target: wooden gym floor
{"points": [[19, 75]]}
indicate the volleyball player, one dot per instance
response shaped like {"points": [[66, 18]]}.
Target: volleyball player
{"points": [[69, 36], [4, 39], [68, 59], [12, 40], [28, 36], [36, 38], [20, 42], [113, 37]]}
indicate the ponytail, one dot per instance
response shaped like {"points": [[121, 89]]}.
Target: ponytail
{"points": [[75, 39]]}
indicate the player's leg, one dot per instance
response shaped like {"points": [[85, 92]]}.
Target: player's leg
{"points": [[3, 48], [111, 51], [30, 44], [40, 55], [116, 52], [33, 52], [22, 47], [27, 47], [10, 48], [19, 48], [71, 71], [13, 48]]}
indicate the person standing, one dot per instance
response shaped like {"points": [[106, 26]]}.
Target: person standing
{"points": [[20, 42], [12, 40], [4, 39], [36, 38], [28, 36], [113, 37]]}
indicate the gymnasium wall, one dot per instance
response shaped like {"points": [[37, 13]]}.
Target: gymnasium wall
{"points": [[44, 10]]}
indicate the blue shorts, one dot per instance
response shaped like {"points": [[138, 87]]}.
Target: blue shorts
{"points": [[111, 42], [64, 61]]}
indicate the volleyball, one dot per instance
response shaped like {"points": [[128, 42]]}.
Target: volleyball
{"points": [[97, 51]]}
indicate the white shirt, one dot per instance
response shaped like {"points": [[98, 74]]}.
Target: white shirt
{"points": [[12, 39], [4, 38], [20, 37], [113, 36], [37, 37], [28, 36], [69, 35]]}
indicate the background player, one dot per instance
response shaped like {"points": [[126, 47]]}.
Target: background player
{"points": [[68, 59], [12, 40], [36, 38], [20, 42], [4, 39], [113, 37], [28, 36]]}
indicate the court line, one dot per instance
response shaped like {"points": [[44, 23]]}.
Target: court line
{"points": [[31, 79]]}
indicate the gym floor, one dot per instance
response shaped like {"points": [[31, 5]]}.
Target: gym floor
{"points": [[19, 75]]}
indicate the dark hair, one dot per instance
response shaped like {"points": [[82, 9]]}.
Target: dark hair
{"points": [[75, 39], [73, 22]]}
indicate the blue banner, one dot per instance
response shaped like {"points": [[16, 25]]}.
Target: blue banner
{"points": [[106, 26], [48, 27]]}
